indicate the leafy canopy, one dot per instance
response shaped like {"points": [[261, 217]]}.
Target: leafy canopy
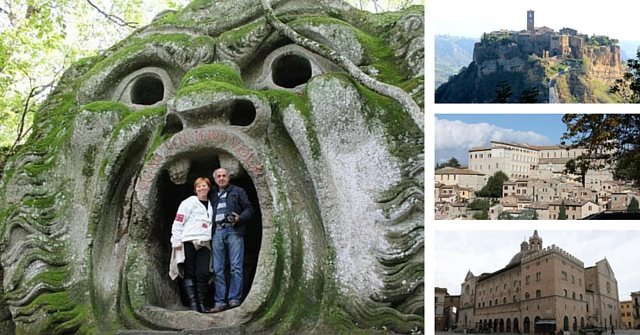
{"points": [[610, 140], [39, 39], [452, 162], [634, 206], [493, 188]]}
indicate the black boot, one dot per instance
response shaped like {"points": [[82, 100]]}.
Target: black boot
{"points": [[203, 289], [190, 292]]}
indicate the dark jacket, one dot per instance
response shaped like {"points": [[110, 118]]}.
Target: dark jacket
{"points": [[238, 202]]}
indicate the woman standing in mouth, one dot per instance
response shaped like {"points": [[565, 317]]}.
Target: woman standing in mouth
{"points": [[191, 237]]}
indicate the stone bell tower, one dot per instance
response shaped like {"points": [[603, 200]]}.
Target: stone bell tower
{"points": [[535, 241], [530, 27]]}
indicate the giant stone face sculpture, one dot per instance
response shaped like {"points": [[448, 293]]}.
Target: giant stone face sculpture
{"points": [[314, 108]]}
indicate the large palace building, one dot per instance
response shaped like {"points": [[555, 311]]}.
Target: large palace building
{"points": [[541, 290]]}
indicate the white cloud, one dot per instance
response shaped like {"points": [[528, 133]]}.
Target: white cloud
{"points": [[455, 138], [457, 252]]}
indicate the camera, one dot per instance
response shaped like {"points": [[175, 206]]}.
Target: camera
{"points": [[231, 218]]}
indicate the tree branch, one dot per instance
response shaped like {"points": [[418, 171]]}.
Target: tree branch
{"points": [[21, 132], [9, 14], [379, 87], [115, 19]]}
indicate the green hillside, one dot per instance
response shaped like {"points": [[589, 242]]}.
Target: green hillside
{"points": [[451, 54]]}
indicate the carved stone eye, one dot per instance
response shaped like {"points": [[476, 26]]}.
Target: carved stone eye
{"points": [[290, 71], [290, 67], [147, 90], [145, 87]]}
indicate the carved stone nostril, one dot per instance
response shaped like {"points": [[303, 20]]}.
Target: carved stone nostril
{"points": [[172, 125], [242, 113]]}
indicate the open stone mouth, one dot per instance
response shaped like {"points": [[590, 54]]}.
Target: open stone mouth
{"points": [[197, 147], [168, 195]]}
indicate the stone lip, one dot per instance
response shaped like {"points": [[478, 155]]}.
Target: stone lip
{"points": [[231, 330], [193, 322], [235, 143]]}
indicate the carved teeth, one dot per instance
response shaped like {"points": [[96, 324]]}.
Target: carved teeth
{"points": [[178, 171], [231, 164]]}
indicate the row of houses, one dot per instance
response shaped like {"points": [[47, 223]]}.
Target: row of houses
{"points": [[542, 196]]}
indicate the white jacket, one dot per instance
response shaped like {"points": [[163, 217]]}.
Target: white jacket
{"points": [[192, 222]]}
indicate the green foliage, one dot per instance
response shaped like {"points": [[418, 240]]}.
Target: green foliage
{"points": [[580, 167], [563, 212], [610, 140], [452, 162], [627, 167], [484, 215], [480, 204], [503, 92], [633, 206], [39, 39], [527, 214], [628, 87], [530, 95], [493, 188]]}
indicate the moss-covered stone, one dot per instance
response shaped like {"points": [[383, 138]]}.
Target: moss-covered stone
{"points": [[219, 72], [89, 197]]}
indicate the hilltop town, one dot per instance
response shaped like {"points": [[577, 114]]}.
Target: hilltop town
{"points": [[539, 186], [560, 66]]}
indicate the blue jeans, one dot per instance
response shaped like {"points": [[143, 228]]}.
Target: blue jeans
{"points": [[227, 242]]}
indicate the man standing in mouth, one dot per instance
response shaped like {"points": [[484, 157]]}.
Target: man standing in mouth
{"points": [[232, 211]]}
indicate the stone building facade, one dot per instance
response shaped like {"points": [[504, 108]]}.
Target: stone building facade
{"points": [[635, 298], [440, 295], [540, 290], [461, 177], [526, 161], [626, 312]]}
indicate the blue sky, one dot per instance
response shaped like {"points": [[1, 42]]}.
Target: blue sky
{"points": [[456, 133], [472, 18]]}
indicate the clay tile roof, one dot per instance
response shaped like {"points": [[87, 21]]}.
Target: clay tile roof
{"points": [[452, 170], [479, 148]]}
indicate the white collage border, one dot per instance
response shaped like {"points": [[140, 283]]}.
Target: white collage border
{"points": [[431, 225]]}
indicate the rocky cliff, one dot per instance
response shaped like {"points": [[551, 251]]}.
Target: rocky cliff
{"points": [[314, 109], [579, 74]]}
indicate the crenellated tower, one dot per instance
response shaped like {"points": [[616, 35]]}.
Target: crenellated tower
{"points": [[530, 26], [535, 241]]}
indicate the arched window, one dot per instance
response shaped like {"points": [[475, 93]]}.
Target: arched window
{"points": [[565, 293], [538, 293], [526, 296], [575, 324], [573, 295], [565, 325]]}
